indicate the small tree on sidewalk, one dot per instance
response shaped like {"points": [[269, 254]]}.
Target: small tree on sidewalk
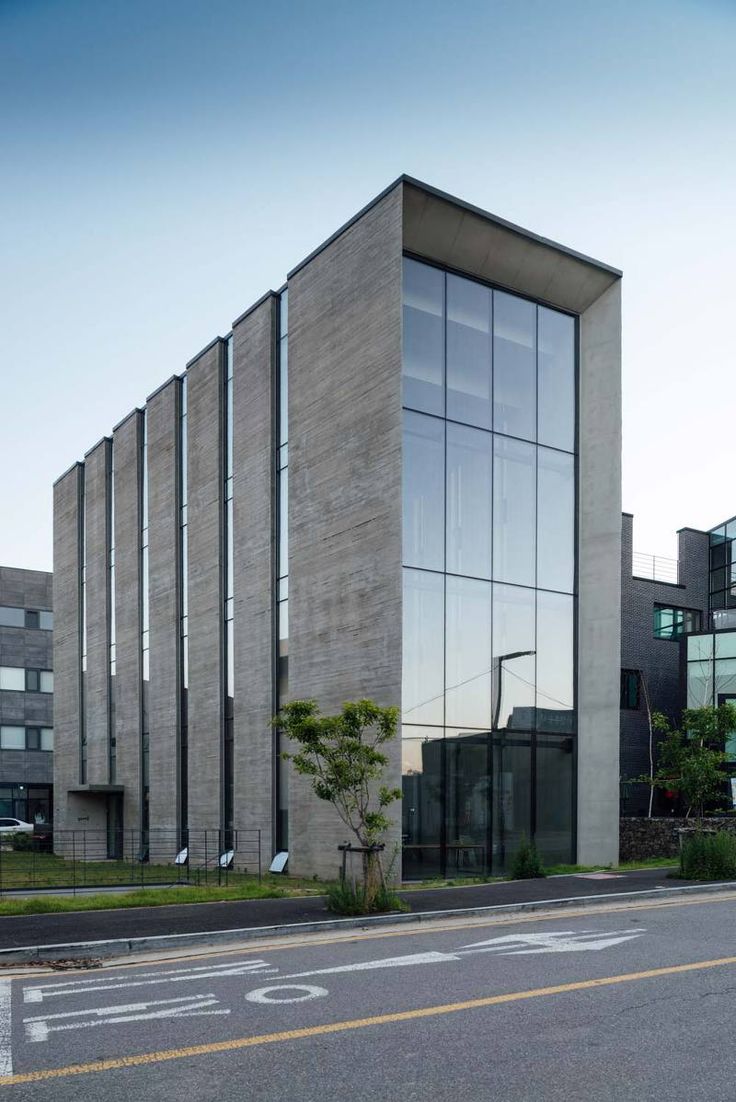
{"points": [[693, 761], [342, 755]]}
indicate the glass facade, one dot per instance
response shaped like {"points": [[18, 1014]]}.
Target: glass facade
{"points": [[489, 507], [711, 674], [281, 580]]}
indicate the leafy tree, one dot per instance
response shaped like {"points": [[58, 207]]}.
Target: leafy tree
{"points": [[692, 761], [342, 755]]}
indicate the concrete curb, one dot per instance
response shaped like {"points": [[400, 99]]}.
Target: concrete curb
{"points": [[122, 947]]}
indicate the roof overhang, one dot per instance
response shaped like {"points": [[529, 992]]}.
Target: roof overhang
{"points": [[448, 231]]}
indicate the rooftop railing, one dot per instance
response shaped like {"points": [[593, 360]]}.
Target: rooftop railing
{"points": [[655, 568]]}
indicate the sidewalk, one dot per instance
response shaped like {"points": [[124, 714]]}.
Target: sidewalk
{"points": [[248, 915]]}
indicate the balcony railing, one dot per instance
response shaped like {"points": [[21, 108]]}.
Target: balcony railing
{"points": [[655, 567]]}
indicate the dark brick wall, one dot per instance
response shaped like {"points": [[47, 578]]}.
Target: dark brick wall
{"points": [[657, 659]]}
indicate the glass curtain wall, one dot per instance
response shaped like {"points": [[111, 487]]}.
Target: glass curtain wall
{"points": [[711, 674], [489, 492], [282, 564], [112, 632], [145, 650], [723, 575], [82, 627], [229, 664], [183, 619]]}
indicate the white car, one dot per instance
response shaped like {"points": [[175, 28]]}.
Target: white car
{"points": [[15, 826]]}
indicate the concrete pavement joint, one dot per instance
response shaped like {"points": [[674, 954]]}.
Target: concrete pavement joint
{"points": [[125, 946]]}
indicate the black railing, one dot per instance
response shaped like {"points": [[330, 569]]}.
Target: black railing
{"points": [[83, 860]]}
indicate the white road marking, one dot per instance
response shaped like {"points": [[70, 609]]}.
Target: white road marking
{"points": [[385, 962], [145, 979], [262, 995], [6, 1050], [189, 1006], [561, 941]]}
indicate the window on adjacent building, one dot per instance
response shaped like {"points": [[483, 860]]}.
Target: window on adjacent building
{"points": [[11, 617], [26, 738], [19, 680], [13, 678], [671, 622], [629, 689]]}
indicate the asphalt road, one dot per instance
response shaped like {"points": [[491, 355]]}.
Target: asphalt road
{"points": [[53, 929], [629, 1002]]}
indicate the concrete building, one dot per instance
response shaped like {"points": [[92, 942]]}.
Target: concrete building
{"points": [[398, 477], [26, 695]]}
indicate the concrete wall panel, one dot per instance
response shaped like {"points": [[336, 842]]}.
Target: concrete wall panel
{"points": [[345, 495], [66, 642], [599, 579], [253, 520], [163, 538], [205, 505], [97, 678], [127, 444]]}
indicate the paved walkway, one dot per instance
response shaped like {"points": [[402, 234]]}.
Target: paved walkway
{"points": [[180, 918]]}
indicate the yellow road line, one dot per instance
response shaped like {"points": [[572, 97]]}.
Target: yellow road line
{"points": [[144, 1058], [298, 941]]}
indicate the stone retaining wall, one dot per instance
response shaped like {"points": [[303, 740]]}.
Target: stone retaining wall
{"points": [[642, 838]]}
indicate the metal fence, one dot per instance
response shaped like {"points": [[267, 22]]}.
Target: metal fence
{"points": [[655, 568], [80, 860]]}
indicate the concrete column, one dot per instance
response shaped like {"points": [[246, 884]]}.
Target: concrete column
{"points": [[205, 506], [162, 410], [253, 343], [345, 497], [599, 579], [66, 642], [97, 679], [127, 443]]}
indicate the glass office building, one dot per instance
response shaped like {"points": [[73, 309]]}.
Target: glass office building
{"points": [[489, 490]]}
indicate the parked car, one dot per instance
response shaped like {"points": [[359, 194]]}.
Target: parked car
{"points": [[15, 826]]}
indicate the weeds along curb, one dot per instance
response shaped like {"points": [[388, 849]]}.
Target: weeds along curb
{"points": [[123, 947]]}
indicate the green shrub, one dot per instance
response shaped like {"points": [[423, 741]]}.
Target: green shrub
{"points": [[22, 841], [347, 898], [526, 863], [709, 856]]}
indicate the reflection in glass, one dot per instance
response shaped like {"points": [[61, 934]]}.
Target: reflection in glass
{"points": [[469, 483], [467, 802], [699, 684], [512, 795], [725, 644], [468, 352], [424, 338], [556, 379], [514, 511], [699, 646], [725, 679], [513, 632], [423, 647], [556, 520], [424, 491], [554, 662], [514, 366], [422, 804], [554, 799], [468, 653]]}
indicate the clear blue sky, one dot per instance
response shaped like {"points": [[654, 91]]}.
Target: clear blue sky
{"points": [[164, 162]]}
